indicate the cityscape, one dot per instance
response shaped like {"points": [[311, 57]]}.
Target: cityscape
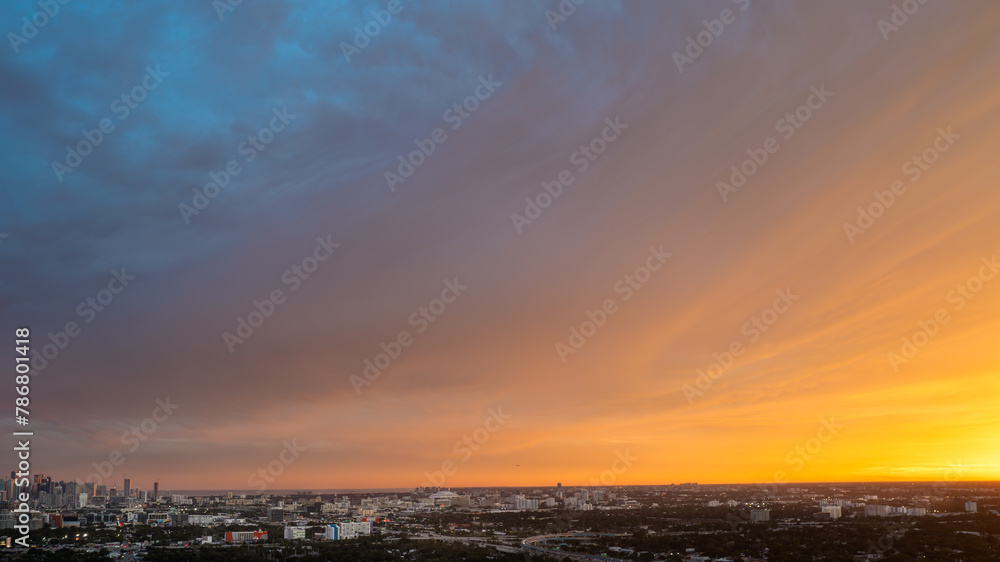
{"points": [[498, 280], [676, 522]]}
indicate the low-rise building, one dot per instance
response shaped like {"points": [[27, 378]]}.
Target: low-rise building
{"points": [[295, 532], [245, 536]]}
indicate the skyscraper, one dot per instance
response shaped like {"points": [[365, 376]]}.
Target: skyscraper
{"points": [[156, 491], [127, 488]]}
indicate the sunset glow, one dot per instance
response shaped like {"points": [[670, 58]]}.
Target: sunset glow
{"points": [[778, 264]]}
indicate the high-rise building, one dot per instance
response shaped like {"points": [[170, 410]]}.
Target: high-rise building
{"points": [[156, 491], [758, 515], [127, 487], [970, 507]]}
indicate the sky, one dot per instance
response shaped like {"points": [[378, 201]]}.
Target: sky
{"points": [[312, 245]]}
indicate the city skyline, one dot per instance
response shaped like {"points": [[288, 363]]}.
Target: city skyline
{"points": [[111, 488]]}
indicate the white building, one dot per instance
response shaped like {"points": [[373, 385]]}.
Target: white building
{"points": [[331, 533], [758, 515], [445, 498], [295, 532], [523, 503], [878, 510], [833, 510], [713, 503], [970, 507], [354, 529], [916, 511]]}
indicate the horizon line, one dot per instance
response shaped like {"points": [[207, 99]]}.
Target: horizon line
{"points": [[753, 484]]}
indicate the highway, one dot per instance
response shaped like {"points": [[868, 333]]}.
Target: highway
{"points": [[532, 544]]}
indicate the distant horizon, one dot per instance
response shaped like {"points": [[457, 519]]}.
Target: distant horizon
{"points": [[290, 491], [465, 242]]}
